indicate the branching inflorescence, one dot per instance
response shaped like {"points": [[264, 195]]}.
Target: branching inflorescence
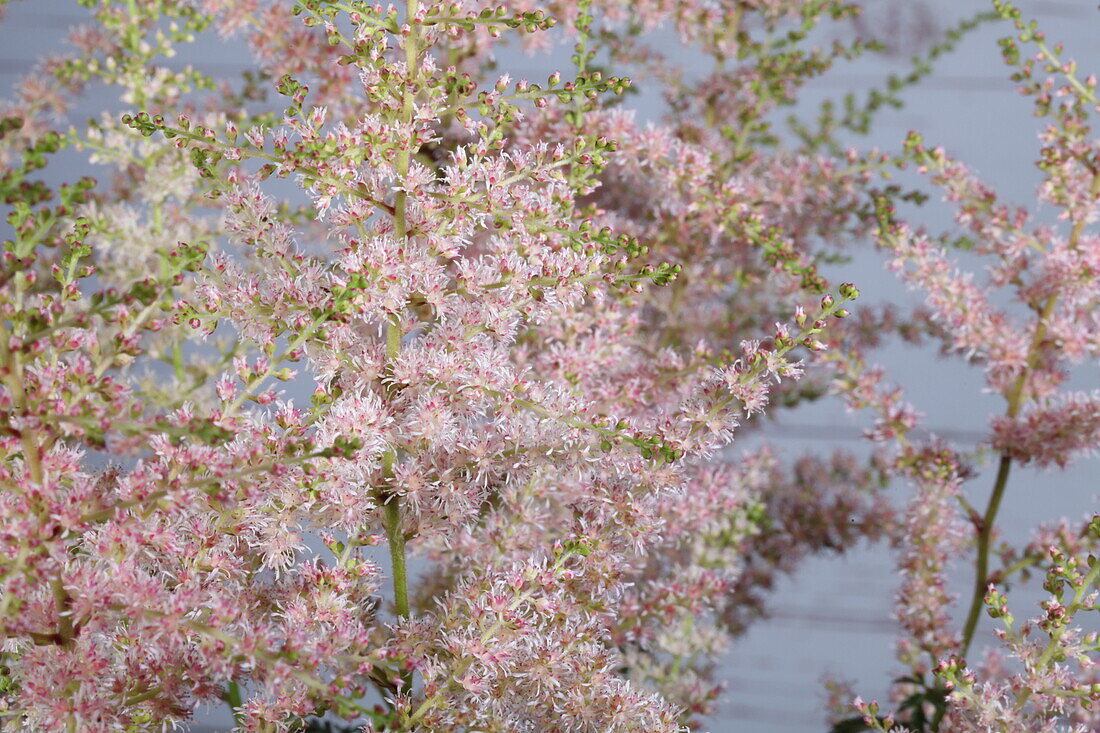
{"points": [[376, 386]]}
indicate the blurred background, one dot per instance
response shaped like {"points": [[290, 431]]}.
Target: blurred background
{"points": [[834, 616]]}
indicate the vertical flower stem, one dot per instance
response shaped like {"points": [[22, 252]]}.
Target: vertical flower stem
{"points": [[985, 531], [232, 697], [395, 534], [1015, 402], [32, 461], [392, 520], [985, 534]]}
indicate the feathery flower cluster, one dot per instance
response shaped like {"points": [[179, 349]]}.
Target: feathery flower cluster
{"points": [[456, 297], [1030, 323], [381, 387]]}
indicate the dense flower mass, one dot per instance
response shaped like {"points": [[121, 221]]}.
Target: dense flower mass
{"points": [[382, 386]]}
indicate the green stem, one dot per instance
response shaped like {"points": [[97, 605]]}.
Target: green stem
{"points": [[33, 453], [397, 556], [1015, 402], [232, 697], [392, 515], [985, 534]]}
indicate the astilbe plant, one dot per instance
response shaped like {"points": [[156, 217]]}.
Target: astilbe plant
{"points": [[517, 328], [1043, 676], [451, 293]]}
